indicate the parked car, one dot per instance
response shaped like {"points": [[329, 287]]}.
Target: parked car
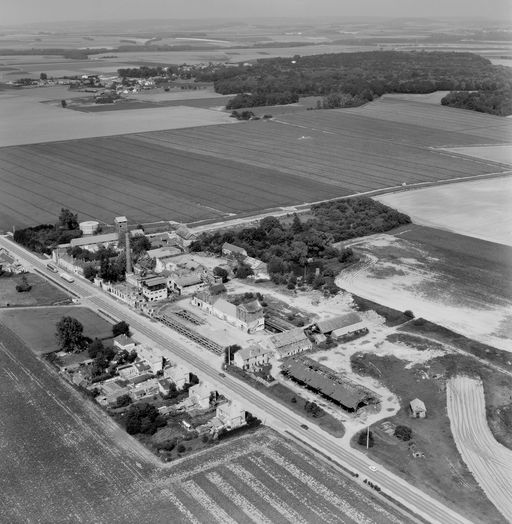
{"points": [[304, 426]]}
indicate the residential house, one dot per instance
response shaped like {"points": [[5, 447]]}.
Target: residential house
{"points": [[200, 394], [230, 250], [418, 409], [165, 385], [259, 269], [341, 326], [252, 356], [151, 357], [289, 342], [144, 389], [111, 390], [231, 414], [184, 236], [178, 374], [124, 342]]}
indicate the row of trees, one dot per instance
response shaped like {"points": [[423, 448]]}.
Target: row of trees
{"points": [[262, 99]]}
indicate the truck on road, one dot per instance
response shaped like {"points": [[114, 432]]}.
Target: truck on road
{"points": [[66, 277]]}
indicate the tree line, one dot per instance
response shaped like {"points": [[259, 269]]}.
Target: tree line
{"points": [[304, 249], [493, 101]]}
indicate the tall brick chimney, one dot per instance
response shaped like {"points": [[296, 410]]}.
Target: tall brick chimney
{"points": [[129, 269]]}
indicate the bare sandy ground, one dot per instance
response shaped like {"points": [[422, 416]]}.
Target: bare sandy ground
{"points": [[479, 208], [489, 461], [402, 275], [26, 120]]}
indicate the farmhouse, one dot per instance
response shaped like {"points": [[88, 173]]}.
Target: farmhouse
{"points": [[247, 317], [418, 409], [338, 389], [341, 326], [230, 250], [252, 356], [289, 342]]}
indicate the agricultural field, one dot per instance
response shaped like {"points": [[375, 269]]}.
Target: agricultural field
{"points": [[59, 447], [489, 461], [477, 208], [42, 293], [36, 326], [106, 177], [456, 281]]}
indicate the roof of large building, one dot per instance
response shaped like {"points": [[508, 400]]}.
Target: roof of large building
{"points": [[155, 281], [235, 249], [225, 307], [329, 383], [253, 351], [184, 232], [163, 252], [251, 307], [288, 337], [341, 321], [187, 279], [94, 239]]}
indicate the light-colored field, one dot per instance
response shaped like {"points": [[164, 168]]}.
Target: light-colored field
{"points": [[462, 286], [25, 120], [479, 208], [427, 98], [501, 154], [489, 461]]}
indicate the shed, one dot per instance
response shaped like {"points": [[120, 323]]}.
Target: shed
{"points": [[418, 409]]}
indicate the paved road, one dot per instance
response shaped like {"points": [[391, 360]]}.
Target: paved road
{"points": [[271, 412]]}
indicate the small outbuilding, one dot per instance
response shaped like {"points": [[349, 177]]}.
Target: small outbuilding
{"points": [[418, 409]]}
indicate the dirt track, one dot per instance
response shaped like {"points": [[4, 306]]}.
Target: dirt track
{"points": [[489, 461]]}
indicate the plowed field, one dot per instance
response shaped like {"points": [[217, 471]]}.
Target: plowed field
{"points": [[210, 172], [64, 461]]}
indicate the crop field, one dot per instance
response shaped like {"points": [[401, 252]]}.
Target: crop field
{"points": [[106, 177], [36, 326], [477, 208], [64, 460], [218, 171]]}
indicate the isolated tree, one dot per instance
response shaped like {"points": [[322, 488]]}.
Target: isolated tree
{"points": [[95, 348], [70, 334], [43, 76], [64, 104], [403, 433], [23, 286], [243, 270], [67, 219], [121, 328], [140, 244]]}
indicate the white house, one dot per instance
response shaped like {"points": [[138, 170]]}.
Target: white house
{"points": [[124, 342], [178, 374], [231, 414], [200, 394], [151, 356], [342, 325], [252, 356], [418, 409]]}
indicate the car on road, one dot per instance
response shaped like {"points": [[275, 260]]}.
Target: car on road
{"points": [[372, 468], [304, 426], [222, 375]]}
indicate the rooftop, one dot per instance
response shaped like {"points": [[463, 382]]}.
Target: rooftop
{"points": [[233, 248], [288, 337], [251, 307], [341, 321], [253, 351], [94, 239], [123, 340], [163, 252]]}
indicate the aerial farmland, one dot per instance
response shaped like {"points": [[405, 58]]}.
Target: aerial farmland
{"points": [[219, 171]]}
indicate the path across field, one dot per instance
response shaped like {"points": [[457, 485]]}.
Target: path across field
{"points": [[489, 461]]}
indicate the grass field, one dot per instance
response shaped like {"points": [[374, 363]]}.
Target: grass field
{"points": [[36, 326], [215, 171], [64, 461], [42, 293]]}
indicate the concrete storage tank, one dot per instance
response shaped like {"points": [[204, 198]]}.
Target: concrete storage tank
{"points": [[89, 228]]}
